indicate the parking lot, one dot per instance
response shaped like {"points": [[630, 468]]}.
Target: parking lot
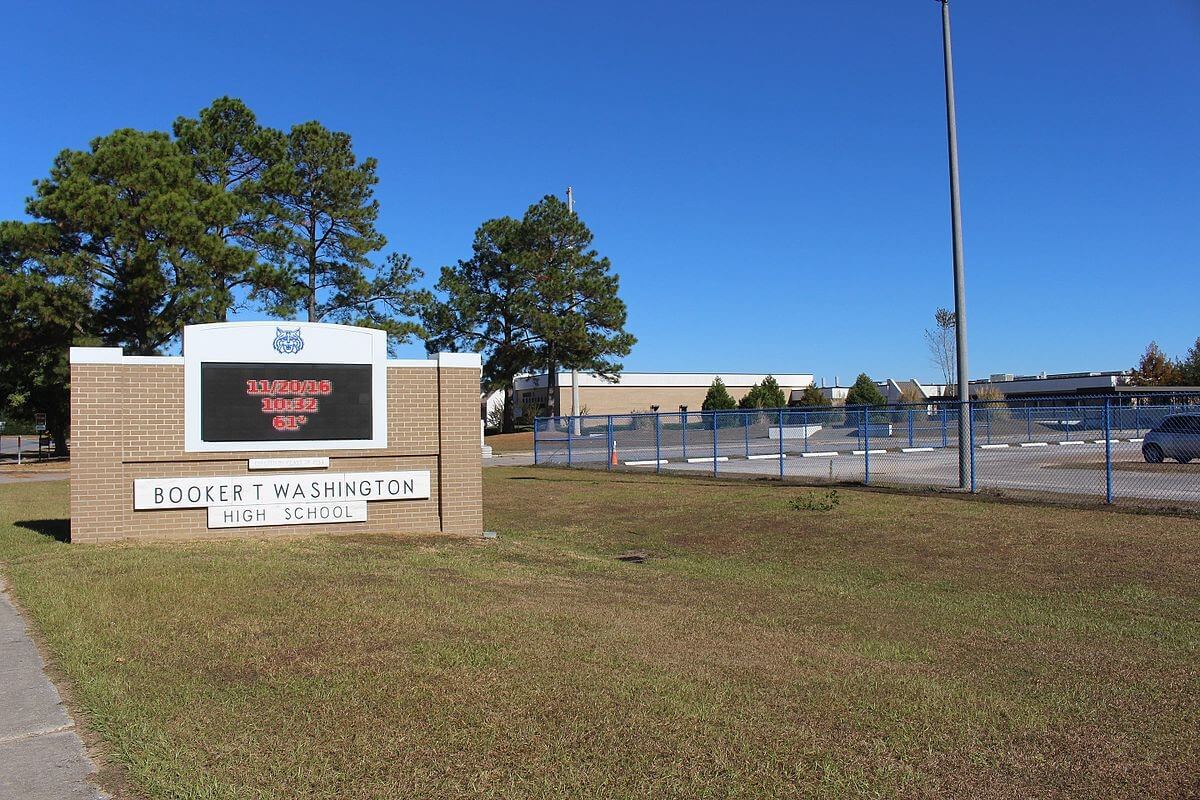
{"points": [[1053, 458]]}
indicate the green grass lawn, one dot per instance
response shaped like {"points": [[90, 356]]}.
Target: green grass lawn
{"points": [[892, 646]]}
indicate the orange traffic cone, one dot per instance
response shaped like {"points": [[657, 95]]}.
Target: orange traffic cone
{"points": [[613, 458]]}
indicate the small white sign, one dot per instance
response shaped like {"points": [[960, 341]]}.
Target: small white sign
{"points": [[160, 494], [286, 514], [312, 462]]}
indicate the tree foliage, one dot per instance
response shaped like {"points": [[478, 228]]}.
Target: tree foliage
{"points": [[1155, 369], [865, 392], [232, 152], [321, 198], [43, 318], [987, 393], [574, 309], [943, 347], [534, 294], [717, 398], [813, 397], [1189, 366], [767, 394], [129, 219], [141, 234], [485, 298]]}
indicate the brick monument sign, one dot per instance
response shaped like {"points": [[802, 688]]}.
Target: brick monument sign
{"points": [[262, 427]]}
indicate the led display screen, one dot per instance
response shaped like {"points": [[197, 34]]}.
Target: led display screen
{"points": [[284, 402]]}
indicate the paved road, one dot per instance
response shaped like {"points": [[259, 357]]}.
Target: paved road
{"points": [[41, 755]]}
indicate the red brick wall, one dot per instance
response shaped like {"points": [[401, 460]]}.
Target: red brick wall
{"points": [[127, 423]]}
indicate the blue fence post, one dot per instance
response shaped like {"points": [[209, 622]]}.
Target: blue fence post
{"points": [[535, 442], [866, 448], [1108, 463], [1137, 422], [806, 431], [944, 442], [714, 416], [683, 432], [570, 424], [910, 437], [781, 444], [746, 430], [612, 444], [658, 443], [1028, 424], [970, 442]]}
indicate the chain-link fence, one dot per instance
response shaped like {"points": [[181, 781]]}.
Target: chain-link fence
{"points": [[1142, 449]]}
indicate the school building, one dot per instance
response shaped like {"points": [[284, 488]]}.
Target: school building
{"points": [[643, 391]]}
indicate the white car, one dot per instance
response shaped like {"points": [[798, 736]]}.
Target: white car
{"points": [[1177, 437]]}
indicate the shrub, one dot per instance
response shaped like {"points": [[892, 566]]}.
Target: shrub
{"points": [[809, 502], [988, 393]]}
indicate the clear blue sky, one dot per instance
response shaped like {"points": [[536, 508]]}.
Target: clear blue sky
{"points": [[769, 179]]}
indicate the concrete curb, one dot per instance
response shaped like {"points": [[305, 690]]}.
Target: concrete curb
{"points": [[41, 754]]}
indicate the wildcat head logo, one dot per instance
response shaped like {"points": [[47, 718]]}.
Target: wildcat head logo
{"points": [[288, 342]]}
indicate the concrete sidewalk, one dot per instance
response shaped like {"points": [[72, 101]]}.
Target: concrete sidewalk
{"points": [[41, 755]]}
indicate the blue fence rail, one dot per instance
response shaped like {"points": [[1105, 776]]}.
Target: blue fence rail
{"points": [[1089, 447]]}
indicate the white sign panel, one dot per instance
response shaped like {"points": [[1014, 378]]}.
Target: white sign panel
{"points": [[313, 462], [286, 514], [274, 386], [290, 499]]}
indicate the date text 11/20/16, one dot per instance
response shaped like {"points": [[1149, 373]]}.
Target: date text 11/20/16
{"points": [[302, 399]]}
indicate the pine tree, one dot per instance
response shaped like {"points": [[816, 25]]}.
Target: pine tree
{"points": [[718, 397], [129, 220], [752, 398], [231, 152], [323, 232], [573, 307], [865, 392], [813, 397], [485, 298], [771, 394]]}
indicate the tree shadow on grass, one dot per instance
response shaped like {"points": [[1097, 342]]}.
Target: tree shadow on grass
{"points": [[57, 529]]}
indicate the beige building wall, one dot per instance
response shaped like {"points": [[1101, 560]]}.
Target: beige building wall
{"points": [[626, 399], [127, 423], [607, 399]]}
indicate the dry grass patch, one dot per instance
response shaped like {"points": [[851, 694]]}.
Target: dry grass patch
{"points": [[511, 442], [892, 646]]}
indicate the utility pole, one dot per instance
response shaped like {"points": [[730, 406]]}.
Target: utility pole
{"points": [[574, 372], [960, 292]]}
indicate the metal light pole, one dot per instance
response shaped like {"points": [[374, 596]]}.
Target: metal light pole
{"points": [[960, 292], [574, 372]]}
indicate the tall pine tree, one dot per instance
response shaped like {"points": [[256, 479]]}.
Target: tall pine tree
{"points": [[485, 299], [129, 219], [573, 307], [232, 152], [324, 208]]}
